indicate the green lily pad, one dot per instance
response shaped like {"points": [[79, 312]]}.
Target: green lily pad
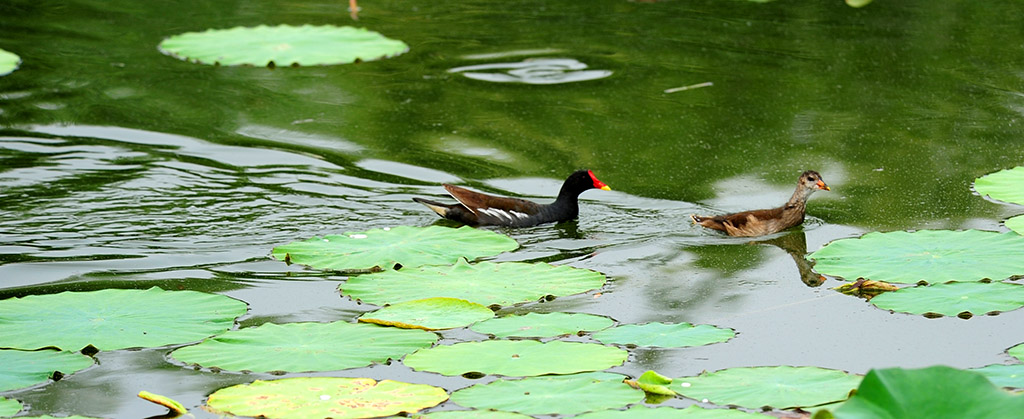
{"points": [[57, 417], [298, 347], [928, 255], [954, 298], [665, 335], [542, 325], [28, 368], [115, 318], [778, 387], [516, 358], [1017, 351], [9, 407], [325, 397], [653, 383], [384, 248], [932, 392], [8, 62], [858, 3], [483, 283], [472, 414], [282, 45], [429, 314], [567, 395], [691, 412], [1016, 224], [1004, 185], [1003, 375]]}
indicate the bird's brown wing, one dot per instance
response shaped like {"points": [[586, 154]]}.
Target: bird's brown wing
{"points": [[492, 209], [745, 224]]}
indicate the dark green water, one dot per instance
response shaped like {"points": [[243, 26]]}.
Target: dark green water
{"points": [[122, 167]]}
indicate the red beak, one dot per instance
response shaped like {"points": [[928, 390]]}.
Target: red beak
{"points": [[597, 183]]}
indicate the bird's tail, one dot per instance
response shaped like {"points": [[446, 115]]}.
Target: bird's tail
{"points": [[439, 208]]}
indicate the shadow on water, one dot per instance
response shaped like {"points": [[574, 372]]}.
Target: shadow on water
{"points": [[795, 244]]}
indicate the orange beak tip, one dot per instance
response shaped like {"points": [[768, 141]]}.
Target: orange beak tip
{"points": [[606, 188]]}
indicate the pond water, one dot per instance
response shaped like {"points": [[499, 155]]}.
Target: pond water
{"points": [[124, 168]]}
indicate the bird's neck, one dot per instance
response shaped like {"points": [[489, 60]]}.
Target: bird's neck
{"points": [[799, 199], [566, 203]]}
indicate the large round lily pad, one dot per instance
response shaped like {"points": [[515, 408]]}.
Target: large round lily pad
{"points": [[954, 298], [408, 246], [1003, 375], [542, 325], [934, 392], [325, 397], [928, 255], [691, 412], [282, 45], [429, 314], [483, 283], [778, 387], [665, 335], [297, 347], [20, 369], [516, 358], [1004, 185], [8, 62], [9, 407], [568, 395], [115, 318]]}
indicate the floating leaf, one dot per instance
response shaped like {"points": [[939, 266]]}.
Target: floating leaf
{"points": [[692, 412], [858, 3], [164, 401], [954, 298], [408, 246], [1003, 375], [472, 414], [325, 397], [934, 392], [666, 335], [1016, 224], [533, 71], [483, 283], [866, 288], [59, 417], [282, 45], [9, 407], [1004, 185], [8, 62], [115, 318], [429, 314], [516, 358], [298, 347], [568, 395], [542, 325], [1017, 352], [28, 368], [653, 383], [927, 255], [778, 387]]}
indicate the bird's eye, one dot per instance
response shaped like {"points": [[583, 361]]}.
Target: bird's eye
{"points": [[811, 178]]}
